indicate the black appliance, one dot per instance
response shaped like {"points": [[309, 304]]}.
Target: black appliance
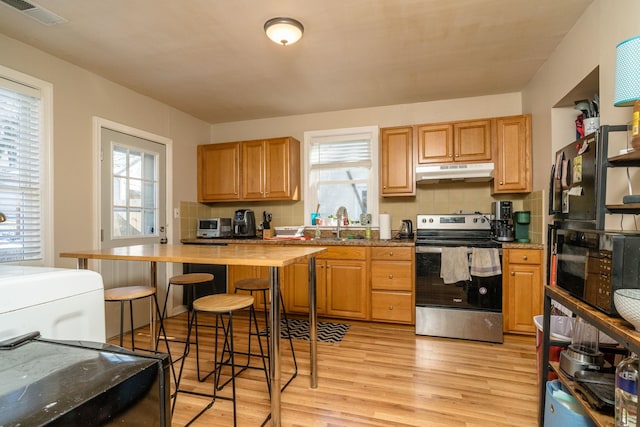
{"points": [[216, 286], [502, 224], [74, 383], [244, 223], [470, 309], [592, 264]]}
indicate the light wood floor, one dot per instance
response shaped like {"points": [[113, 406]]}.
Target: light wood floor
{"points": [[379, 375]]}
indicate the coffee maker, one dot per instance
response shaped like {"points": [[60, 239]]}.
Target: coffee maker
{"points": [[244, 223], [502, 227], [521, 221]]}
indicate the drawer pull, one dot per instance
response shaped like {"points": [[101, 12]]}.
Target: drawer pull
{"points": [[513, 273], [525, 258], [391, 253], [391, 276], [390, 307]]}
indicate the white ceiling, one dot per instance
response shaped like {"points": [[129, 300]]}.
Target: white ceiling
{"points": [[211, 58]]}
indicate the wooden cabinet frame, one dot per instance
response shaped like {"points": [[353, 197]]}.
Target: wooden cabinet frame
{"points": [[249, 170]]}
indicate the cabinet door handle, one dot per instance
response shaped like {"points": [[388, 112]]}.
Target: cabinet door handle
{"points": [[501, 183], [513, 273]]}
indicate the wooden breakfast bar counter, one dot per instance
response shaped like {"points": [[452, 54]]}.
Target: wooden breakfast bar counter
{"points": [[256, 255]]}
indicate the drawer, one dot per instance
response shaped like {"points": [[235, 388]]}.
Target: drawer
{"points": [[525, 256], [392, 275], [344, 252], [392, 306], [391, 253]]}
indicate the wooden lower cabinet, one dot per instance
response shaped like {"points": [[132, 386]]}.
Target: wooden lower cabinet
{"points": [[522, 289], [341, 284], [360, 283], [346, 288], [392, 283], [297, 287]]}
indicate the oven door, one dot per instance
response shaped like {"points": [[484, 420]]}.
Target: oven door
{"points": [[464, 310], [481, 293]]}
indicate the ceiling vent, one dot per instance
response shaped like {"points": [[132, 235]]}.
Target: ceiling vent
{"points": [[36, 12]]}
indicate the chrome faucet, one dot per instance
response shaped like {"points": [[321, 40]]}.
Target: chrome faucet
{"points": [[341, 214]]}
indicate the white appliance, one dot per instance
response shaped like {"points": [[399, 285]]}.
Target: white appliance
{"points": [[471, 172], [64, 304]]}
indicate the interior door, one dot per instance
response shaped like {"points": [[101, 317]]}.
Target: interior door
{"points": [[133, 211]]}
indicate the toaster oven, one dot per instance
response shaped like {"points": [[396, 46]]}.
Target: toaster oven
{"points": [[209, 228]]}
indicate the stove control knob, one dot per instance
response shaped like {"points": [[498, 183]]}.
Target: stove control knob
{"points": [[430, 220], [475, 220]]}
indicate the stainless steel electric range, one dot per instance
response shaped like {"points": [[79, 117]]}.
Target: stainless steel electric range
{"points": [[467, 309]]}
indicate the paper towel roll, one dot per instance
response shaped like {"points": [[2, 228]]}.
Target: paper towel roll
{"points": [[385, 226]]}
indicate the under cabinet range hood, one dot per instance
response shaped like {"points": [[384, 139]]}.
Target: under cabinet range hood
{"points": [[470, 172]]}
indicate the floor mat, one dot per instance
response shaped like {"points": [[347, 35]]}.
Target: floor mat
{"points": [[327, 332]]}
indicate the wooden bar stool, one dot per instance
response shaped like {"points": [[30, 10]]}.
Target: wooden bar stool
{"points": [[129, 294], [184, 280], [261, 284], [221, 305]]}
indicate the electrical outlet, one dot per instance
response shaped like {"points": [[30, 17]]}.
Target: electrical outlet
{"points": [[176, 213], [365, 219]]}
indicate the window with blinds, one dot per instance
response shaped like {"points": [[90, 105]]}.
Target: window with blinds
{"points": [[21, 172], [341, 170]]}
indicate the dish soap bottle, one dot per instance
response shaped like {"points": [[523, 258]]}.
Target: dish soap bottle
{"points": [[626, 394]]}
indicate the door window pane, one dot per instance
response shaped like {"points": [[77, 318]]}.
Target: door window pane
{"points": [[135, 192]]}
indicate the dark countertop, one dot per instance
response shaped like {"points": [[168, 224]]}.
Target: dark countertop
{"points": [[311, 242], [516, 245]]}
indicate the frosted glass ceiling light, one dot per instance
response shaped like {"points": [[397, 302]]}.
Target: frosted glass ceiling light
{"points": [[283, 31]]}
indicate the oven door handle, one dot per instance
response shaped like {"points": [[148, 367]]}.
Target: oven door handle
{"points": [[438, 250]]}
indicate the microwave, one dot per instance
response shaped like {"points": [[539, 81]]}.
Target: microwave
{"points": [[209, 228], [592, 264]]}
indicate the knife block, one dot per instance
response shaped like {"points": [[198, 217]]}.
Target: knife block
{"points": [[269, 232]]}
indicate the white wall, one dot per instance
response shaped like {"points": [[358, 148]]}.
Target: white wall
{"points": [[590, 44], [79, 95]]}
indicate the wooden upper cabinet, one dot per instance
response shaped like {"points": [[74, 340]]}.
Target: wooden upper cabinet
{"points": [[472, 141], [253, 170], [467, 141], [435, 143], [271, 169], [249, 170], [219, 172], [513, 154], [397, 173]]}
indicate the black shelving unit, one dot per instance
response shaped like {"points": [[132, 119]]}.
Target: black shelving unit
{"points": [[631, 159]]}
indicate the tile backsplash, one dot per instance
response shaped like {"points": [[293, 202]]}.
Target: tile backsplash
{"points": [[430, 198]]}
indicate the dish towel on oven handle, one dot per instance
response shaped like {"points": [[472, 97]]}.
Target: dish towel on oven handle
{"points": [[485, 262], [454, 264]]}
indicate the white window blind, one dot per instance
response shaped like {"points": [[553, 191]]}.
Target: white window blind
{"points": [[20, 172], [334, 152]]}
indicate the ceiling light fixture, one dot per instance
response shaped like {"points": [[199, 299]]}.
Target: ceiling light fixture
{"points": [[283, 31]]}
